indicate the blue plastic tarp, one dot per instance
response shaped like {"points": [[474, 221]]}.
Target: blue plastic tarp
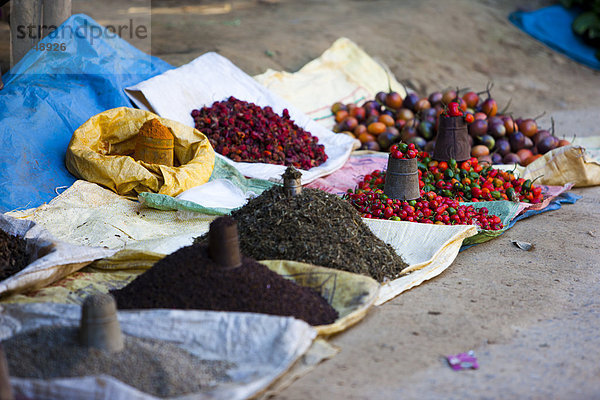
{"points": [[552, 26], [49, 94]]}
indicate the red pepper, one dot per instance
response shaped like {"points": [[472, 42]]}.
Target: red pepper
{"points": [[454, 109]]}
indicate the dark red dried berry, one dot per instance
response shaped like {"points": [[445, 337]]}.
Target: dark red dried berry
{"points": [[244, 131]]}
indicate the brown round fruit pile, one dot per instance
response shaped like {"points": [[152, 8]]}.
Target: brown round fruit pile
{"points": [[495, 136]]}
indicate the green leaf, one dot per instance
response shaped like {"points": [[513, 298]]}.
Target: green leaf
{"points": [[594, 33], [585, 21]]}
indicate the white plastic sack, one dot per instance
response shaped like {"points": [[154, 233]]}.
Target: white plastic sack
{"points": [[50, 259], [428, 250], [211, 77], [263, 347], [220, 193], [344, 73], [88, 214]]}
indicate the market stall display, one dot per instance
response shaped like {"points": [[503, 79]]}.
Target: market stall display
{"points": [[494, 135], [326, 258], [213, 78]]}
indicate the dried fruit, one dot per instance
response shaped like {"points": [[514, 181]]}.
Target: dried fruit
{"points": [[244, 131]]}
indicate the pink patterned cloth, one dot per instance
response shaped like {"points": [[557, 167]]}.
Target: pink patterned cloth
{"points": [[350, 174]]}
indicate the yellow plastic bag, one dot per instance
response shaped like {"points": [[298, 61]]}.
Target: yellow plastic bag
{"points": [[98, 152]]}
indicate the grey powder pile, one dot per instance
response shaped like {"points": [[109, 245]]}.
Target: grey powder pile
{"points": [[155, 367]]}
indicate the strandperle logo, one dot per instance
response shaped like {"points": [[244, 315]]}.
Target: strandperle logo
{"points": [[84, 31]]}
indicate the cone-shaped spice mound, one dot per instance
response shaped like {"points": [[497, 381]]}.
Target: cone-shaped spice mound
{"points": [[190, 279], [155, 367], [13, 254], [314, 227]]}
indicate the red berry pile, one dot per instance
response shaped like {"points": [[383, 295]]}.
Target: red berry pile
{"points": [[431, 208], [244, 131], [403, 151], [472, 181], [466, 181], [443, 186]]}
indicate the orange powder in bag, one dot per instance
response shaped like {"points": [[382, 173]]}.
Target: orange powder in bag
{"points": [[154, 143]]}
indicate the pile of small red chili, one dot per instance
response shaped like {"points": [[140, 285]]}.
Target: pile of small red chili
{"points": [[466, 181], [431, 208], [471, 181], [244, 131], [443, 186]]}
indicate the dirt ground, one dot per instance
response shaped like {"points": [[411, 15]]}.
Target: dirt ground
{"points": [[532, 318]]}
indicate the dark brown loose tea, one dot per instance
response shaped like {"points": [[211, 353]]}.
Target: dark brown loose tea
{"points": [[152, 366], [291, 173], [314, 227], [13, 254], [190, 279]]}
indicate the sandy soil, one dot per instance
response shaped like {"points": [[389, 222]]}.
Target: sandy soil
{"points": [[531, 317]]}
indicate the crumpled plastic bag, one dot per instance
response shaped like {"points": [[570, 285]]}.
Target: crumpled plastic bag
{"points": [[568, 164], [95, 153]]}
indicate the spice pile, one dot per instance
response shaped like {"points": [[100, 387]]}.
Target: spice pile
{"points": [[244, 131], [13, 254], [155, 367], [313, 227], [190, 279]]}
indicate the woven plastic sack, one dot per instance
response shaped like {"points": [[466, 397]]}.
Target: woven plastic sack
{"points": [[50, 259], [95, 153], [568, 164], [262, 348], [88, 214], [350, 294], [427, 249], [343, 73]]}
